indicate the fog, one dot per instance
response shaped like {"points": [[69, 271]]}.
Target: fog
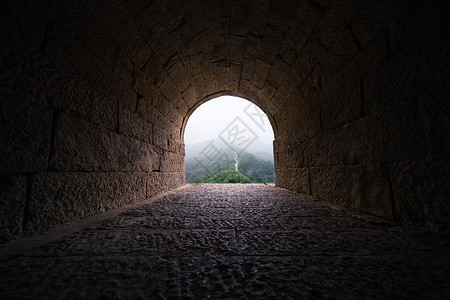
{"points": [[229, 122]]}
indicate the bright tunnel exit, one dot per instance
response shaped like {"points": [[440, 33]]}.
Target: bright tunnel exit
{"points": [[229, 140]]}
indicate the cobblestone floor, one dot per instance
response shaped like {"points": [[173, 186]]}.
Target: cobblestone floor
{"points": [[233, 242]]}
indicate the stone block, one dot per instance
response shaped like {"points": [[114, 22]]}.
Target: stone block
{"points": [[287, 54], [58, 198], [301, 68], [266, 93], [277, 72], [189, 96], [286, 89], [294, 153], [295, 179], [149, 112], [13, 190], [369, 21], [405, 75], [243, 88], [134, 7], [83, 146], [202, 46], [341, 100], [158, 182], [279, 178], [237, 48], [342, 51], [155, 73], [247, 70], [191, 62], [312, 53], [207, 72], [252, 45], [97, 39], [420, 190], [383, 137], [258, 18], [161, 138], [181, 109], [116, 20], [260, 73], [181, 34], [130, 124], [240, 12], [217, 45], [220, 75], [433, 114], [104, 112], [25, 137], [178, 74], [281, 12], [308, 13], [199, 86], [297, 34], [169, 89], [210, 86], [125, 68], [270, 45], [145, 89], [357, 186], [302, 115], [235, 72], [176, 145], [324, 4], [334, 21], [172, 162]]}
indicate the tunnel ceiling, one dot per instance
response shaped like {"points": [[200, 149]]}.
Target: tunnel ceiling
{"points": [[191, 51], [195, 50]]}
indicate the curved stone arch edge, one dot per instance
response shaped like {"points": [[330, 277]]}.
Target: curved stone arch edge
{"points": [[227, 93]]}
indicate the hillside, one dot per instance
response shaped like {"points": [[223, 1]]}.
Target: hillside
{"points": [[226, 176], [255, 168]]}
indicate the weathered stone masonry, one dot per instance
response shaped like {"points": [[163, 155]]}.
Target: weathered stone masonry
{"points": [[95, 96]]}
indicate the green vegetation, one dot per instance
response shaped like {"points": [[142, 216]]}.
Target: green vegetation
{"points": [[251, 169], [258, 170], [226, 176]]}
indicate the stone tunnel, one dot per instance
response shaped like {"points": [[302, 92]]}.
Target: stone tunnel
{"points": [[95, 96]]}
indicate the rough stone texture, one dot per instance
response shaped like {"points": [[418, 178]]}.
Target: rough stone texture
{"points": [[300, 176], [13, 190], [25, 136], [420, 191], [63, 197], [347, 85], [83, 146], [363, 114], [237, 241], [359, 186]]}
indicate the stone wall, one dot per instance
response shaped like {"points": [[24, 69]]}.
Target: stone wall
{"points": [[95, 96], [369, 120], [82, 129]]}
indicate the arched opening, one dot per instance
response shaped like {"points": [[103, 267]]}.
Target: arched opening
{"points": [[229, 140]]}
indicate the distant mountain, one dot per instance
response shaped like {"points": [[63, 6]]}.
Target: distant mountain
{"points": [[256, 167], [260, 147]]}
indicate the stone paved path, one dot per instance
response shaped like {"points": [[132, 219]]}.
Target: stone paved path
{"points": [[234, 242]]}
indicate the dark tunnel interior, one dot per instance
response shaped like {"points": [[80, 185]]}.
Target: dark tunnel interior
{"points": [[95, 96]]}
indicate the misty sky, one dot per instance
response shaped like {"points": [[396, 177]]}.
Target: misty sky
{"points": [[225, 116]]}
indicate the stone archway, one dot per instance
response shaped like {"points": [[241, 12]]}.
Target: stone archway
{"points": [[226, 132], [212, 97]]}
